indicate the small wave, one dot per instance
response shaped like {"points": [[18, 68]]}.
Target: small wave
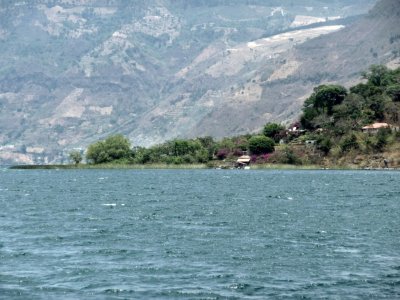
{"points": [[118, 291], [193, 293], [346, 250], [246, 289]]}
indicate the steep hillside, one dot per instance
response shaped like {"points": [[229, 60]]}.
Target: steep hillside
{"points": [[275, 82], [74, 71]]}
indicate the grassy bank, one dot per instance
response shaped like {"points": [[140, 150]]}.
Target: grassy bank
{"points": [[109, 166], [189, 167]]}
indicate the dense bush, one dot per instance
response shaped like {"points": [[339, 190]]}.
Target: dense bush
{"points": [[273, 131], [349, 142], [113, 148], [324, 144], [260, 144], [341, 116], [394, 92], [75, 156]]}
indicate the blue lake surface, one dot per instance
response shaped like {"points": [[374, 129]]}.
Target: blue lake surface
{"points": [[199, 234]]}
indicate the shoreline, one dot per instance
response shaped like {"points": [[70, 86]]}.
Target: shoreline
{"points": [[190, 167], [107, 167]]}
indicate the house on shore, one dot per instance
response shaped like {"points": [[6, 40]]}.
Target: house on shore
{"points": [[243, 161], [375, 127]]}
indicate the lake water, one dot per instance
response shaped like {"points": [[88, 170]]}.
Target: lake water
{"points": [[199, 234]]}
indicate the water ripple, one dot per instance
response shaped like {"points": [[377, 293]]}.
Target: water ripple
{"points": [[98, 234]]}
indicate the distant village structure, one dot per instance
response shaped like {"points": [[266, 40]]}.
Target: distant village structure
{"points": [[375, 127]]}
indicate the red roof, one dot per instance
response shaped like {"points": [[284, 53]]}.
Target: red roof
{"points": [[377, 126]]}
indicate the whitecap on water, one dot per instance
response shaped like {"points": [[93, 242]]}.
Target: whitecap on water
{"points": [[346, 250]]}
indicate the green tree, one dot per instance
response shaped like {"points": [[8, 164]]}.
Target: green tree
{"points": [[289, 157], [324, 144], [349, 142], [113, 148], [377, 104], [348, 115], [320, 105], [394, 92], [272, 130], [261, 144], [208, 143], [382, 138], [308, 116], [75, 156], [142, 155], [327, 96], [377, 75]]}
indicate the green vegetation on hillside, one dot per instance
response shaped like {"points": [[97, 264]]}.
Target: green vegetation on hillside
{"points": [[115, 148], [329, 129], [334, 117]]}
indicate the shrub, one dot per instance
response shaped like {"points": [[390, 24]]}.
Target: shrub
{"points": [[273, 131], [261, 144], [349, 142], [289, 157], [222, 153], [111, 149], [75, 156], [324, 144], [382, 138], [394, 92]]}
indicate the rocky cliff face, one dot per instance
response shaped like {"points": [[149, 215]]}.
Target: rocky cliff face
{"points": [[74, 71]]}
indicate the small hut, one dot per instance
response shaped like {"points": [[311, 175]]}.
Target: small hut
{"points": [[374, 128], [243, 161]]}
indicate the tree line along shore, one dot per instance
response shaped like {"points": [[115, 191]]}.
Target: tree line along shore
{"points": [[338, 128]]}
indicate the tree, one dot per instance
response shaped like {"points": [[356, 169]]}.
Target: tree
{"points": [[272, 130], [308, 116], [208, 143], [377, 104], [321, 102], [324, 144], [327, 96], [261, 144], [382, 139], [113, 148], [75, 156], [377, 75], [394, 92], [349, 142]]}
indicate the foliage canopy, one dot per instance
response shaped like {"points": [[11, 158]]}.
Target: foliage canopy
{"points": [[75, 156], [273, 130], [260, 144], [113, 148]]}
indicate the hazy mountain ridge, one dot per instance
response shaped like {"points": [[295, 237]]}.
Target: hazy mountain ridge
{"points": [[76, 71]]}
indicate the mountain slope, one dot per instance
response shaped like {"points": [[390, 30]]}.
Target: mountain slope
{"points": [[74, 71], [268, 79]]}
